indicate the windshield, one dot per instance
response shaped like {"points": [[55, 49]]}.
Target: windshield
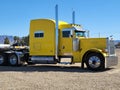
{"points": [[80, 33]]}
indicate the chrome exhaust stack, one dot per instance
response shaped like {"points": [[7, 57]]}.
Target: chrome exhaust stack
{"points": [[57, 32]]}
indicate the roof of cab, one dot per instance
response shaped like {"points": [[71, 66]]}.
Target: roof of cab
{"points": [[60, 22]]}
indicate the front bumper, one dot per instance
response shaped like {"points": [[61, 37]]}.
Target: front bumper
{"points": [[111, 61]]}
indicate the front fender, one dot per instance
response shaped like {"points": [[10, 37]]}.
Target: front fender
{"points": [[97, 51], [93, 50]]}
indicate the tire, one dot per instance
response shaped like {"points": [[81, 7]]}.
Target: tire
{"points": [[95, 62], [2, 59], [13, 60]]}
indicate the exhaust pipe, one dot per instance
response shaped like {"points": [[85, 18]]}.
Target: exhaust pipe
{"points": [[57, 32], [73, 17]]}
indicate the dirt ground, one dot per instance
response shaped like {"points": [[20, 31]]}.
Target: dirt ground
{"points": [[59, 77]]}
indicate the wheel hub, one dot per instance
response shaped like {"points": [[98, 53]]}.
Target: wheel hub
{"points": [[13, 60], [94, 62]]}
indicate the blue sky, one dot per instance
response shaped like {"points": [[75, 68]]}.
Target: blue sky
{"points": [[100, 17]]}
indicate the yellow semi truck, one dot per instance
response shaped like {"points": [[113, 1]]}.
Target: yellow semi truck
{"points": [[96, 53], [50, 47], [52, 40]]}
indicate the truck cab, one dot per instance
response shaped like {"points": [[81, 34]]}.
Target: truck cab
{"points": [[69, 39], [96, 53]]}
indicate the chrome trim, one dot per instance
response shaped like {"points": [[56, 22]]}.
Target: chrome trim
{"points": [[76, 44], [42, 59], [57, 32], [108, 48], [94, 62], [39, 58], [111, 61], [111, 47]]}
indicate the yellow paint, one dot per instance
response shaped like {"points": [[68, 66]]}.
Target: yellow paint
{"points": [[45, 46], [93, 44]]}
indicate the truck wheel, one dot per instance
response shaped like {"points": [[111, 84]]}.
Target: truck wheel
{"points": [[2, 59], [13, 60], [95, 62]]}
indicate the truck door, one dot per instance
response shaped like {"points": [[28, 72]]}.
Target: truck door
{"points": [[66, 42]]}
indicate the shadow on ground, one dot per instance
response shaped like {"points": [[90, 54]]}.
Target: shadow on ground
{"points": [[46, 68]]}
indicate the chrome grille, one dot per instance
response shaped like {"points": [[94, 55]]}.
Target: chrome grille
{"points": [[111, 47]]}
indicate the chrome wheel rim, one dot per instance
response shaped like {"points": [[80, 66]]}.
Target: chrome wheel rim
{"points": [[94, 62]]}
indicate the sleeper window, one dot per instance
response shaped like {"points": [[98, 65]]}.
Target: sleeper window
{"points": [[39, 34]]}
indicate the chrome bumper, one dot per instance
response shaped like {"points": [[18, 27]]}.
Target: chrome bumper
{"points": [[111, 61]]}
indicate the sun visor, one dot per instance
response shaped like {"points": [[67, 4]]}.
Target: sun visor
{"points": [[77, 28]]}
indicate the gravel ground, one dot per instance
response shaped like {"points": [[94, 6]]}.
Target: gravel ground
{"points": [[58, 77]]}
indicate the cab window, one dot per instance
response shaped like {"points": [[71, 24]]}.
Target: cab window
{"points": [[80, 33], [39, 34], [66, 33]]}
